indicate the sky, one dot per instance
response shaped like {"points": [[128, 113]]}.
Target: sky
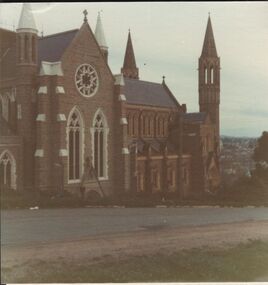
{"points": [[167, 39]]}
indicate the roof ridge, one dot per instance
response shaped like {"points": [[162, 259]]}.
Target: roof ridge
{"points": [[61, 33], [142, 80], [195, 113], [7, 30]]}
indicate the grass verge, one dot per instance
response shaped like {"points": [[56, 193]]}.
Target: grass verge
{"points": [[244, 262]]}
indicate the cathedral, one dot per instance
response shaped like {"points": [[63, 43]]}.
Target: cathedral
{"points": [[68, 123]]}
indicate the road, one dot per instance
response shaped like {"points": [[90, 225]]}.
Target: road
{"points": [[29, 227]]}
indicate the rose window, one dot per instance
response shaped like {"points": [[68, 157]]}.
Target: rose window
{"points": [[86, 80]]}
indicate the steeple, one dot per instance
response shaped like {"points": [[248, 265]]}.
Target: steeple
{"points": [[209, 47], [100, 37], [209, 80], [27, 22], [129, 68]]}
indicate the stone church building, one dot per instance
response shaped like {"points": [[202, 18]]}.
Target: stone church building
{"points": [[63, 112]]}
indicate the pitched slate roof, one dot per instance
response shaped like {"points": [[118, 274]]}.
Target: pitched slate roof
{"points": [[195, 117], [7, 53], [51, 48], [141, 92]]}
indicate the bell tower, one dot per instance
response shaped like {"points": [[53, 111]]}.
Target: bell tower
{"points": [[209, 80], [26, 74]]}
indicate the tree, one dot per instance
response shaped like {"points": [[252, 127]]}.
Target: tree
{"points": [[261, 151], [261, 158]]}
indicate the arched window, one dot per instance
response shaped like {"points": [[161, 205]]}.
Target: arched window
{"points": [[155, 179], [145, 125], [7, 171], [75, 145], [100, 144], [134, 125], [141, 181], [206, 75], [151, 127], [185, 175], [160, 126], [33, 49], [9, 116], [26, 48], [211, 75], [165, 128], [1, 106], [129, 126]]}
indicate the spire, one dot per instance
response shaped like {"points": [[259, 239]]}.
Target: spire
{"points": [[129, 68], [27, 21], [99, 34], [209, 47]]}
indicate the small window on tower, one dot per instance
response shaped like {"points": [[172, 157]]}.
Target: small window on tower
{"points": [[206, 75], [211, 75]]}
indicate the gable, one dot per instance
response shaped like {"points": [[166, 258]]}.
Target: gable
{"points": [[85, 43]]}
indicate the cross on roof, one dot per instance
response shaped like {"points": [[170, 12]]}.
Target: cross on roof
{"points": [[85, 15]]}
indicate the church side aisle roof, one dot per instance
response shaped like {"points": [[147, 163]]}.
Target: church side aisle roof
{"points": [[52, 47], [198, 117], [141, 92], [7, 54]]}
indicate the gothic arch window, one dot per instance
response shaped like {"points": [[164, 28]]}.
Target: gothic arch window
{"points": [[171, 177], [26, 48], [212, 75], [185, 175], [134, 124], [206, 75], [129, 126], [159, 126], [141, 181], [141, 129], [75, 136], [99, 133], [151, 126], [145, 126], [33, 49], [165, 127], [1, 106], [7, 171], [155, 179]]}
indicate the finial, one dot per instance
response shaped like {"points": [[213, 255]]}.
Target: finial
{"points": [[209, 14], [163, 79], [42, 32], [85, 15], [129, 30]]}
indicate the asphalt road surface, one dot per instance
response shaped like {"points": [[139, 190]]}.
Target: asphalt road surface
{"points": [[29, 227]]}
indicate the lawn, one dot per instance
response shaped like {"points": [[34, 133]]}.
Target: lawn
{"points": [[244, 262]]}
